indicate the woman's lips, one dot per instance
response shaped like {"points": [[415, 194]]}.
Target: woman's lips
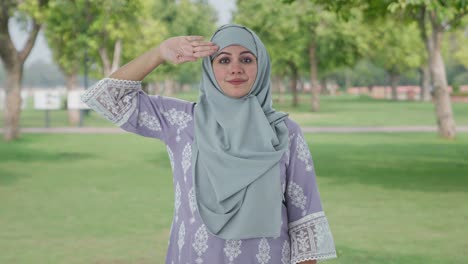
{"points": [[237, 81]]}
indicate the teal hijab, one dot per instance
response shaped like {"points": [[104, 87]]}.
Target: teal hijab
{"points": [[237, 148]]}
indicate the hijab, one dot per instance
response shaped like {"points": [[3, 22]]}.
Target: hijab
{"points": [[238, 144]]}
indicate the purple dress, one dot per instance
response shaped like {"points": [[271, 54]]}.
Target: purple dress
{"points": [[305, 233]]}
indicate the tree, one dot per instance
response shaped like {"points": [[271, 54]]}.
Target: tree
{"points": [[434, 19], [66, 36], [183, 18], [110, 24], [277, 25], [82, 29], [396, 48], [13, 59], [304, 38], [437, 17]]}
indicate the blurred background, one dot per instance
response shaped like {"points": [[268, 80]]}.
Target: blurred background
{"points": [[379, 87]]}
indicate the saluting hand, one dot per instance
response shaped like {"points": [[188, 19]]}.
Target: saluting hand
{"points": [[186, 48]]}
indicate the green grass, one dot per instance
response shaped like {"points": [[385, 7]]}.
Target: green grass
{"points": [[390, 198], [364, 111], [344, 110]]}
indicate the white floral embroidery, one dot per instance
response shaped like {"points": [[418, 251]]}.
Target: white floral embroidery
{"points": [[200, 245], [192, 204], [181, 240], [286, 253], [311, 238], [171, 157], [263, 255], [232, 249], [296, 194], [116, 100], [149, 121], [178, 118], [322, 235], [302, 239], [177, 201], [186, 159], [303, 152]]}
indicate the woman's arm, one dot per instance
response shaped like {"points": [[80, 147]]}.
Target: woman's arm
{"points": [[174, 50]]}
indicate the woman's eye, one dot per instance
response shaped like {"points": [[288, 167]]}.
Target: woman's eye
{"points": [[247, 60], [223, 60]]}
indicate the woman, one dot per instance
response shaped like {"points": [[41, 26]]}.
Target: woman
{"points": [[245, 189]]}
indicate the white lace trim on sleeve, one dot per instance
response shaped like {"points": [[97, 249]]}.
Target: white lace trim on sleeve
{"points": [[114, 99], [311, 238]]}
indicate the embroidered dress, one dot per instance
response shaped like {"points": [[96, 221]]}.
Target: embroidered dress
{"points": [[305, 233]]}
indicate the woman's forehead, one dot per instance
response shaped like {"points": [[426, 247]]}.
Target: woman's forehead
{"points": [[235, 35], [235, 49]]}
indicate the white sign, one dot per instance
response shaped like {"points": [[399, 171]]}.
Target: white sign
{"points": [[74, 100], [47, 100], [24, 99]]}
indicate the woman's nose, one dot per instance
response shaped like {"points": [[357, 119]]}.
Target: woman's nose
{"points": [[236, 67]]}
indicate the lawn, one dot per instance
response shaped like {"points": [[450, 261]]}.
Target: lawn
{"points": [[344, 110], [390, 198]]}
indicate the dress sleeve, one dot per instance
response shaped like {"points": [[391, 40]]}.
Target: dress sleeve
{"points": [[309, 231], [125, 104]]}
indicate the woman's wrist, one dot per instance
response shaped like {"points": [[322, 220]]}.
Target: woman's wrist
{"points": [[156, 57]]}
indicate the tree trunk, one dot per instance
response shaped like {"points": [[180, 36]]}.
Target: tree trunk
{"points": [[169, 87], [117, 55], [106, 65], [425, 83], [293, 83], [314, 83], [394, 79], [347, 82], [282, 91], [323, 86], [13, 61], [301, 85], [443, 105], [11, 116], [275, 89], [441, 97], [72, 84], [177, 87], [109, 67]]}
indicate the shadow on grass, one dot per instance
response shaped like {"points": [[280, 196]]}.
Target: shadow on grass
{"points": [[357, 256], [33, 155], [19, 154], [159, 159], [8, 177], [418, 167], [21, 151]]}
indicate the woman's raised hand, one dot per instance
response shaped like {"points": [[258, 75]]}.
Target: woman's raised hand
{"points": [[186, 48]]}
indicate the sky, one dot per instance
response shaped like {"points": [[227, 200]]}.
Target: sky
{"points": [[41, 51]]}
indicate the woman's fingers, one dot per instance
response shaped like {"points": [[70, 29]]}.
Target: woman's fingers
{"points": [[199, 48], [193, 38], [187, 48], [203, 51]]}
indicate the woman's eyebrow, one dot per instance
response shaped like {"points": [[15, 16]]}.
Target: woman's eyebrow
{"points": [[227, 53], [247, 51], [224, 52]]}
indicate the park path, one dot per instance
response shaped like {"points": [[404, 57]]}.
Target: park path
{"points": [[321, 129]]}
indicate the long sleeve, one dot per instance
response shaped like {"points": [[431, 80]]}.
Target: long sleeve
{"points": [[125, 104], [309, 231]]}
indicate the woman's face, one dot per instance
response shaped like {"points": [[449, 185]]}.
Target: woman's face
{"points": [[235, 69]]}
